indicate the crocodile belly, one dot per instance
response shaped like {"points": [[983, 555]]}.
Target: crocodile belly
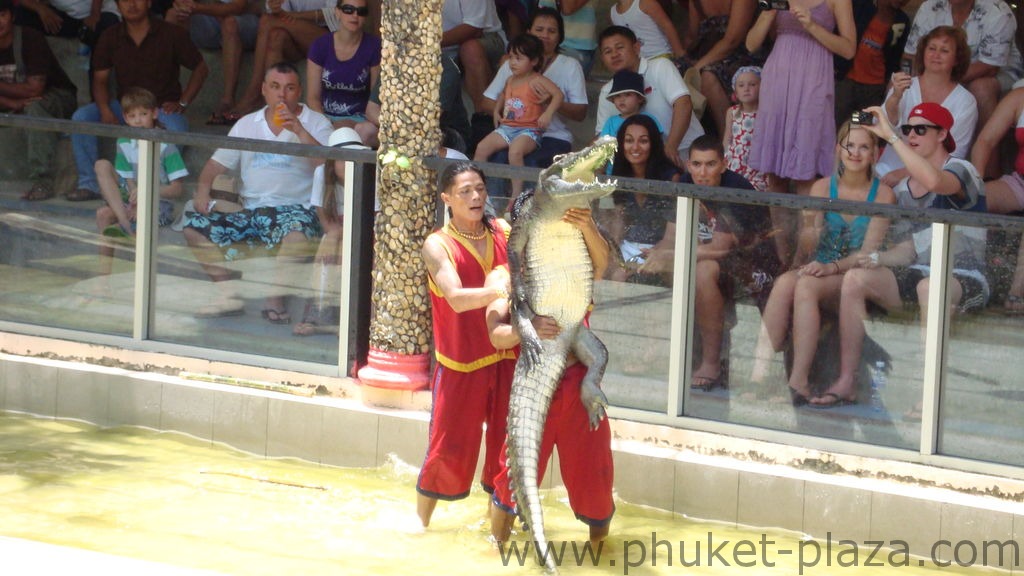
{"points": [[559, 273]]}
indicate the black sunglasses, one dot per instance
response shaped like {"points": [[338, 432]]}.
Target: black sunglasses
{"points": [[920, 129], [350, 9]]}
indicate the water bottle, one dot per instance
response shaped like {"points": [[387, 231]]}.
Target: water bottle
{"points": [[877, 385]]}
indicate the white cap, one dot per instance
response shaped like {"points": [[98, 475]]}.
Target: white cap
{"points": [[346, 138]]}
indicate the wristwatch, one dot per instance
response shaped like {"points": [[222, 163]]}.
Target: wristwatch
{"points": [[893, 139], [183, 104], [874, 258]]}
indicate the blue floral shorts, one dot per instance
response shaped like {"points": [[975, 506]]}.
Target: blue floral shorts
{"points": [[254, 229]]}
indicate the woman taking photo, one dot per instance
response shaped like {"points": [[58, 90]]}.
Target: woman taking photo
{"points": [[643, 226], [837, 242], [941, 61]]}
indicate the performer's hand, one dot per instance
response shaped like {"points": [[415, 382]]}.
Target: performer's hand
{"points": [[546, 327]]}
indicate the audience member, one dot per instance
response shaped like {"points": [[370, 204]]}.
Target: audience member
{"points": [[580, 20], [794, 132], [139, 52], [739, 128], [472, 44], [653, 27], [643, 227], [735, 258], [322, 312], [901, 274], [990, 26], [668, 99], [285, 33], [82, 19], [275, 189], [119, 181], [33, 83], [627, 94], [566, 73], [472, 379], [834, 243], [1006, 195], [715, 47], [882, 29], [227, 25], [584, 452], [343, 67], [522, 114], [941, 61]]}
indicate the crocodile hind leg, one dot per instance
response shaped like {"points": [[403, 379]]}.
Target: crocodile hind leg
{"points": [[592, 352]]}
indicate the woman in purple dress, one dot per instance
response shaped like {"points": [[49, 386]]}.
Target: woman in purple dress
{"points": [[795, 131], [342, 67]]}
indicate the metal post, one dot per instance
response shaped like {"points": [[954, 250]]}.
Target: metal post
{"points": [[356, 263], [936, 332], [681, 337], [145, 238]]}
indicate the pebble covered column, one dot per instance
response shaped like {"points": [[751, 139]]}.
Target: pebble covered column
{"points": [[400, 330]]}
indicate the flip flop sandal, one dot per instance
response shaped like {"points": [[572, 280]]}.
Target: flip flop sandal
{"points": [[38, 192], [276, 316], [81, 195]]}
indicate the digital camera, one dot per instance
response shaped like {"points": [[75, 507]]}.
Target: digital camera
{"points": [[773, 4], [860, 117]]}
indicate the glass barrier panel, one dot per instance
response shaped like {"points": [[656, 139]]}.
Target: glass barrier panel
{"points": [[259, 281], [798, 346], [633, 302], [982, 399], [66, 260]]}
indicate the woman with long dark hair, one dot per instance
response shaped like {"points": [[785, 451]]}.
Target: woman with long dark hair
{"points": [[644, 225]]}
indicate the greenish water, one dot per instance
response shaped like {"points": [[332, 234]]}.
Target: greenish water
{"points": [[169, 498]]}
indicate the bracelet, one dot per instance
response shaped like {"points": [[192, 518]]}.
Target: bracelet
{"points": [[838, 270], [502, 293], [893, 139]]}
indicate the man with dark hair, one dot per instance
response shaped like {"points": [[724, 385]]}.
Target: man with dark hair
{"points": [[141, 51], [668, 98], [33, 83], [735, 256]]}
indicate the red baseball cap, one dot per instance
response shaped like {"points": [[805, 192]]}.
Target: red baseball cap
{"points": [[939, 116]]}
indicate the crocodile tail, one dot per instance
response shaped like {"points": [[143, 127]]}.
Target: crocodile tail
{"points": [[530, 400]]}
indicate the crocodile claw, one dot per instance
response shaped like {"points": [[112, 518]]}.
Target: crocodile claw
{"points": [[595, 402]]}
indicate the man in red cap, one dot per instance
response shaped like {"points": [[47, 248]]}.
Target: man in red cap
{"points": [[900, 274]]}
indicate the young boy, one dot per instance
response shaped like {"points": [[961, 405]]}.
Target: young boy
{"points": [[627, 94], [117, 181]]}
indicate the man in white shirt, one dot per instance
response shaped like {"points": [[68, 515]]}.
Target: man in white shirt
{"points": [[668, 99], [276, 214]]}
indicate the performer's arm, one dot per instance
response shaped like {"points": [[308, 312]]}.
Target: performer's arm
{"points": [[448, 282]]}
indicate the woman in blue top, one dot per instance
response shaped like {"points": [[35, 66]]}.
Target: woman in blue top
{"points": [[835, 241]]}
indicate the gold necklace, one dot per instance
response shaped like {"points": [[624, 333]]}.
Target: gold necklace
{"points": [[467, 235]]}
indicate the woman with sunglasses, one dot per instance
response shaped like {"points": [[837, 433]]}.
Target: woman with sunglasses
{"points": [[900, 275], [342, 67], [941, 61], [834, 243]]}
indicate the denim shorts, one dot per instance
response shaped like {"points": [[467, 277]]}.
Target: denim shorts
{"points": [[510, 133]]}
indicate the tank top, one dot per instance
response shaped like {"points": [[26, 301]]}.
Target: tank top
{"points": [[840, 238], [522, 106], [461, 342], [652, 40]]}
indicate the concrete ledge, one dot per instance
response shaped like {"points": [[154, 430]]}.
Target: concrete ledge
{"points": [[654, 467]]}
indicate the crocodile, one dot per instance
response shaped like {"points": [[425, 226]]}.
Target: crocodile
{"points": [[552, 275]]}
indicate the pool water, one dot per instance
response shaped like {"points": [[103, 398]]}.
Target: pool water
{"points": [[172, 499]]}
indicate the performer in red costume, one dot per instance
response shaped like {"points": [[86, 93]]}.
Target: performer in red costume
{"points": [[472, 379]]}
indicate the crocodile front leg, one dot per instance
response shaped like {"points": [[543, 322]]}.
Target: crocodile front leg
{"points": [[592, 353]]}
